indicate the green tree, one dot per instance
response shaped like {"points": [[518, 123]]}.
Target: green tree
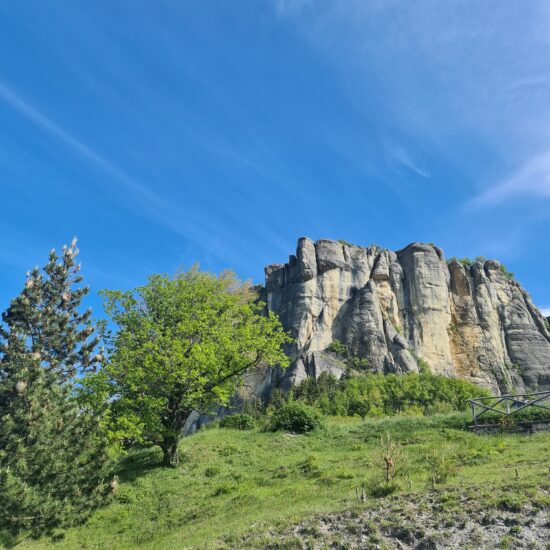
{"points": [[53, 459], [377, 394], [182, 345]]}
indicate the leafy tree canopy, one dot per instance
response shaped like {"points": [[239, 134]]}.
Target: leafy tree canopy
{"points": [[182, 345], [375, 395]]}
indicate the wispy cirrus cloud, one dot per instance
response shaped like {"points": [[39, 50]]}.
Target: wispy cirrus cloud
{"points": [[435, 72], [545, 311], [136, 196], [404, 158], [532, 179], [139, 192], [290, 7]]}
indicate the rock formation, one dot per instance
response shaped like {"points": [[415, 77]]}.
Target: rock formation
{"points": [[394, 308]]}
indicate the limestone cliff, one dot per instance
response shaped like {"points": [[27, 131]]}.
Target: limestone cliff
{"points": [[393, 308]]}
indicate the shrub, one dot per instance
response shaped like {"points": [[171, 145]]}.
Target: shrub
{"points": [[240, 421], [357, 363], [352, 361], [310, 467], [389, 457], [337, 348], [440, 407], [466, 262], [511, 502], [379, 489], [531, 414], [440, 466], [373, 395], [423, 366], [212, 471], [505, 272], [297, 418]]}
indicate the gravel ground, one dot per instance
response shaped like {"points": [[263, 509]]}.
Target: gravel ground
{"points": [[433, 521]]}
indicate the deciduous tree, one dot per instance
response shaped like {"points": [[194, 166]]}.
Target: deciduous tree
{"points": [[182, 345]]}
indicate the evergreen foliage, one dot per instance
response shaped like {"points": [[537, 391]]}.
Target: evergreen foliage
{"points": [[183, 345], [53, 459]]}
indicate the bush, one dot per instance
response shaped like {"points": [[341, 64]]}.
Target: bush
{"points": [[511, 502], [378, 488], [466, 262], [530, 414], [505, 272], [337, 348], [352, 362], [441, 466], [310, 467], [423, 366], [240, 421], [296, 418], [373, 395]]}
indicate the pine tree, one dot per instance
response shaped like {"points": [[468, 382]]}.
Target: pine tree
{"points": [[53, 458]]}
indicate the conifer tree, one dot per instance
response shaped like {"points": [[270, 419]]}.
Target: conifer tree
{"points": [[53, 458]]}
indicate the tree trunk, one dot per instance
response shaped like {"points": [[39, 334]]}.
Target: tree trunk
{"points": [[173, 428], [169, 448]]}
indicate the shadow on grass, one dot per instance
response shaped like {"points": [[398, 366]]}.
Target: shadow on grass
{"points": [[8, 540], [138, 463]]}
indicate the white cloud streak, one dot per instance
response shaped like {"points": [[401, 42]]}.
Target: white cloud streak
{"points": [[404, 158], [136, 196], [24, 108], [532, 179], [285, 8], [448, 73]]}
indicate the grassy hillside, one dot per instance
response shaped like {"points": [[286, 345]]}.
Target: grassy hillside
{"points": [[247, 488]]}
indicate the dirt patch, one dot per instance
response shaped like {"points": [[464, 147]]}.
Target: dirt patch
{"points": [[433, 521]]}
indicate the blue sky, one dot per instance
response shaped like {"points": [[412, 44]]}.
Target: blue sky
{"points": [[172, 132]]}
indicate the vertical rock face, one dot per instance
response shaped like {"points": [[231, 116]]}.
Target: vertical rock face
{"points": [[393, 308]]}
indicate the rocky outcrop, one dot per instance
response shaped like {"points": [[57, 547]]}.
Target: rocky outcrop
{"points": [[394, 308]]}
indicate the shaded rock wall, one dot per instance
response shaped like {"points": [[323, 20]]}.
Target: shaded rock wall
{"points": [[395, 307]]}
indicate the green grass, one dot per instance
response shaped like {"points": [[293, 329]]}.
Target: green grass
{"points": [[232, 482]]}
